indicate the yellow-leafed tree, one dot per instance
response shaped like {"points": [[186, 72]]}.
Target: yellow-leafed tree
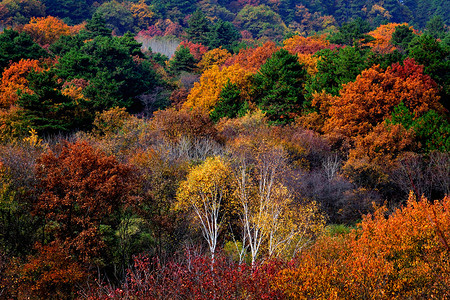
{"points": [[204, 191]]}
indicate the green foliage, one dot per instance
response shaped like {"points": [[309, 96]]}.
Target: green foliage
{"points": [[47, 110], [337, 230], [15, 218], [182, 60], [73, 11], [96, 26], [336, 67], [19, 12], [422, 10], [223, 34], [402, 115], [261, 21], [352, 32], [230, 104], [176, 10], [115, 77], [117, 16], [432, 129], [402, 36], [199, 28], [278, 86], [435, 57], [67, 43], [436, 27], [15, 46]]}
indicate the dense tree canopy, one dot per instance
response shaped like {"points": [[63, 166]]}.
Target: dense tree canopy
{"points": [[212, 149]]}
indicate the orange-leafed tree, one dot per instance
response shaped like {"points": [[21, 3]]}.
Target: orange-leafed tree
{"points": [[14, 79], [81, 188], [253, 58], [51, 273], [401, 256], [383, 36], [306, 45], [205, 94], [46, 30], [384, 144], [371, 98]]}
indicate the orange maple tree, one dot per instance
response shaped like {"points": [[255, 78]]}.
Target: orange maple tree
{"points": [[371, 98], [14, 79], [252, 59], [402, 256], [46, 30], [383, 36], [306, 45], [51, 272]]}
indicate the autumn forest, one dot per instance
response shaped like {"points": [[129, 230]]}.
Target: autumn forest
{"points": [[248, 149]]}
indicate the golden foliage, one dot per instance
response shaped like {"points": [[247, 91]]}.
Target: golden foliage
{"points": [[46, 30], [213, 57], [383, 36], [142, 13], [205, 94]]}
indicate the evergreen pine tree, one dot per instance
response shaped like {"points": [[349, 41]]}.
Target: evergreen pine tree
{"points": [[198, 30], [182, 60], [230, 104], [278, 86]]}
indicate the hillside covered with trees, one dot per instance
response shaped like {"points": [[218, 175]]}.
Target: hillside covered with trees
{"points": [[249, 149]]}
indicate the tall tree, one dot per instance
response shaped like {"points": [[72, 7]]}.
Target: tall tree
{"points": [[206, 192], [223, 34], [230, 103], [15, 46], [182, 60], [46, 109], [371, 98], [82, 188], [198, 28], [75, 11], [278, 86]]}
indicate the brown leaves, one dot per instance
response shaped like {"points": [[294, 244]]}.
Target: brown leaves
{"points": [[81, 187], [52, 272]]}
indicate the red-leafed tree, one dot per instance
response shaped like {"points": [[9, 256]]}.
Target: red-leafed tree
{"points": [[197, 50], [81, 188]]}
